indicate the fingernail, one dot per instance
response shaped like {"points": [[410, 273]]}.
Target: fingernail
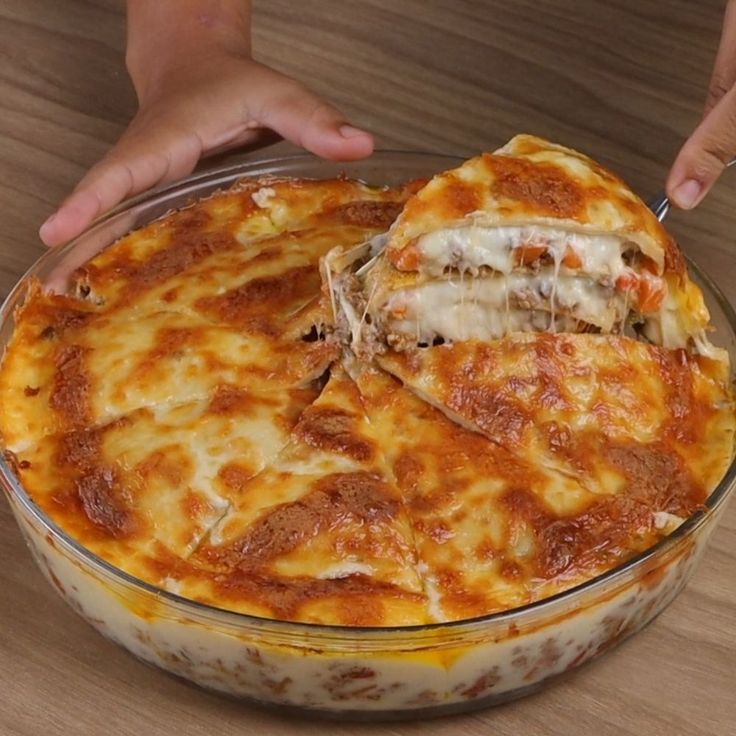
{"points": [[46, 225], [348, 131], [688, 194]]}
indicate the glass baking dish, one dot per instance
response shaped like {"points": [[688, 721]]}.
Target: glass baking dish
{"points": [[363, 673]]}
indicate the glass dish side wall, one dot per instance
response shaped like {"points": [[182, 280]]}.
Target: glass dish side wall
{"points": [[368, 673]]}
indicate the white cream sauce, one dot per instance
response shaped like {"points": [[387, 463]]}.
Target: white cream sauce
{"points": [[665, 328], [470, 248]]}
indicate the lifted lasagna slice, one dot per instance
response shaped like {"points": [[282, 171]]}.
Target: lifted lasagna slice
{"points": [[534, 237], [320, 535]]}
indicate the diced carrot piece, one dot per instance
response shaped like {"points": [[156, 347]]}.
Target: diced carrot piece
{"points": [[572, 259], [527, 254], [408, 258], [651, 294], [627, 281]]}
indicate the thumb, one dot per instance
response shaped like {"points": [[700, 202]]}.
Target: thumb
{"points": [[705, 154], [303, 118]]}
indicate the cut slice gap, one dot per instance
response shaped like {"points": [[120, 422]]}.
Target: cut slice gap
{"points": [[323, 523], [159, 477]]}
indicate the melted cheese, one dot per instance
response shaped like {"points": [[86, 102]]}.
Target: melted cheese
{"points": [[470, 248], [162, 475], [324, 516], [668, 328], [111, 365], [480, 308]]}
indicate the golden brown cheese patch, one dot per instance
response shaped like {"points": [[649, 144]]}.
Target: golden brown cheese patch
{"points": [[31, 366], [366, 213], [356, 600], [154, 254], [606, 532], [99, 493], [71, 386], [658, 477], [281, 530], [542, 190], [334, 430], [253, 304]]}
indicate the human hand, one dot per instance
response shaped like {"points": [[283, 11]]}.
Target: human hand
{"points": [[713, 143], [208, 103]]}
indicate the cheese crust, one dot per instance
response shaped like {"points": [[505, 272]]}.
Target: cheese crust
{"points": [[187, 413]]}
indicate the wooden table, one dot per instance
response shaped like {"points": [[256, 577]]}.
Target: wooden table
{"points": [[621, 79]]}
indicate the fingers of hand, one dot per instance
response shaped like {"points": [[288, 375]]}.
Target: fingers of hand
{"points": [[141, 159], [168, 137]]}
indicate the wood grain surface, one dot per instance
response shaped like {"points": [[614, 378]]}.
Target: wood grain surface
{"points": [[623, 80]]}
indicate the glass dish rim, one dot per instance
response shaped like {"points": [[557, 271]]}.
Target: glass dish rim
{"points": [[229, 174]]}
